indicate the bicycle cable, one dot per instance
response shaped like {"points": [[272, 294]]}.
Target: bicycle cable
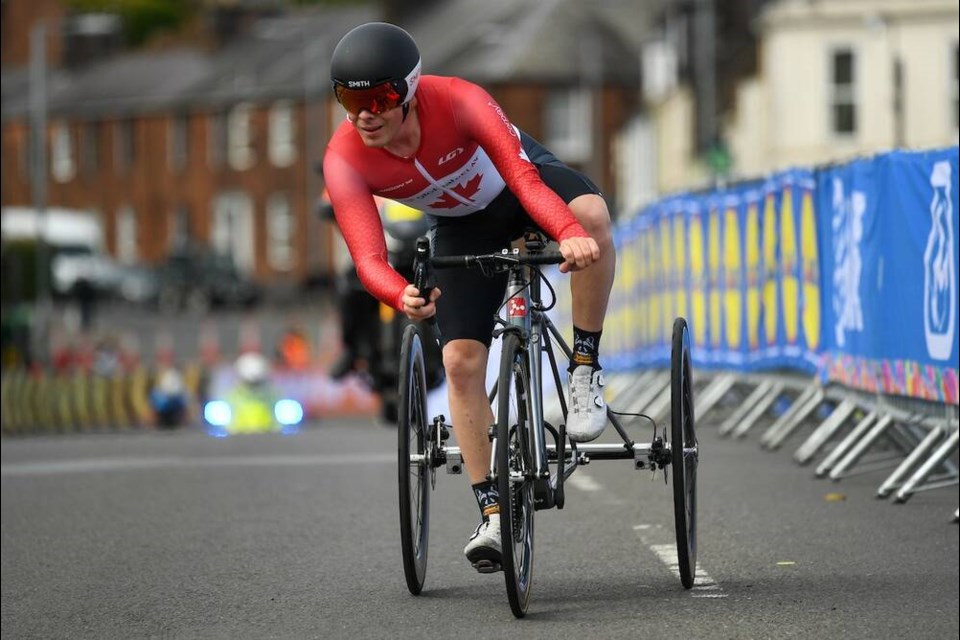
{"points": [[653, 422], [553, 292], [527, 285]]}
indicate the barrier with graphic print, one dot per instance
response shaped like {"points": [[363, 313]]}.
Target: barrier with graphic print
{"points": [[846, 271], [891, 261]]}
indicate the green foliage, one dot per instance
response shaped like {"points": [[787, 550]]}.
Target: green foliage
{"points": [[141, 18], [18, 271]]}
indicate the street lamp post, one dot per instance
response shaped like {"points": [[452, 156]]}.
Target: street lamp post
{"points": [[38, 183]]}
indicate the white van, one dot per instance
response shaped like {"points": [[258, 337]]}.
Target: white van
{"points": [[75, 238], [61, 228]]}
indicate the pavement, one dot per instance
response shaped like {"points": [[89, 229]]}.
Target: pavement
{"points": [[178, 535]]}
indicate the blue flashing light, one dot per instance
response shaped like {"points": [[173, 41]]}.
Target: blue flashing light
{"points": [[217, 413], [288, 412]]}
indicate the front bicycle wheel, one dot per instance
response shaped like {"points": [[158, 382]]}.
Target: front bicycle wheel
{"points": [[415, 471], [684, 452], [515, 474]]}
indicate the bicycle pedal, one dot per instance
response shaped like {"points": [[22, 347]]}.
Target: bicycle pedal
{"points": [[487, 566]]}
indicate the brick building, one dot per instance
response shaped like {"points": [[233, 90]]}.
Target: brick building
{"points": [[217, 145]]}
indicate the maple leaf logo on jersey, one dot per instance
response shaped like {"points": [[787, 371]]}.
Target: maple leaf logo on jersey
{"points": [[466, 191]]}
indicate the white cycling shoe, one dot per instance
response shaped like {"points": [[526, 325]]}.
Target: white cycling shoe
{"points": [[483, 549], [587, 410]]}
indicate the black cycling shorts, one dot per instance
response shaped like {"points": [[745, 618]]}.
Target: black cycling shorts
{"points": [[469, 300]]}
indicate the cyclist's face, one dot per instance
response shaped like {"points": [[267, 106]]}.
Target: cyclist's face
{"points": [[377, 130]]}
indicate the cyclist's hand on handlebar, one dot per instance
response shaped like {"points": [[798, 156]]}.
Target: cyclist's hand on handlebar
{"points": [[415, 307], [579, 252]]}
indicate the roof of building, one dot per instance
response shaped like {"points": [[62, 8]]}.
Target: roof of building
{"points": [[495, 41], [533, 40]]}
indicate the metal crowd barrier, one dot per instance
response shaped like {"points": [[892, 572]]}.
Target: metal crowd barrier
{"points": [[856, 432]]}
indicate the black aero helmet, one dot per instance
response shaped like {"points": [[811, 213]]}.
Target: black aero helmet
{"points": [[374, 54]]}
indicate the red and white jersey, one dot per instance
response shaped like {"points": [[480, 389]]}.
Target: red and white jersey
{"points": [[469, 152]]}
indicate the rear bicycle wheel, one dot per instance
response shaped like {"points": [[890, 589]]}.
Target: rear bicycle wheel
{"points": [[684, 452], [415, 469], [515, 474]]}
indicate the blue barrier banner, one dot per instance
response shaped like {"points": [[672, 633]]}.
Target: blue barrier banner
{"points": [[849, 272], [890, 267], [741, 265]]}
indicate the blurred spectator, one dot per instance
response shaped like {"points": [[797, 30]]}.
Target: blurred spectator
{"points": [[293, 350], [359, 311], [168, 398], [253, 398], [106, 357], [86, 295], [64, 356]]}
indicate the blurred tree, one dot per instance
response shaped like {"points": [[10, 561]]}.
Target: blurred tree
{"points": [[141, 18]]}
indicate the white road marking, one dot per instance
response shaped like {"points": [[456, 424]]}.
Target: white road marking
{"points": [[703, 585], [60, 467], [584, 482]]}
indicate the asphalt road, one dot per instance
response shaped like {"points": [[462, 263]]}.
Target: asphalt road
{"points": [[179, 535]]}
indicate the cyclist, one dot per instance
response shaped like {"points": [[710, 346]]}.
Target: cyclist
{"points": [[444, 146]]}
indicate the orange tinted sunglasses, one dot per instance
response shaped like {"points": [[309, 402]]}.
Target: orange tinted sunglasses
{"points": [[376, 100]]}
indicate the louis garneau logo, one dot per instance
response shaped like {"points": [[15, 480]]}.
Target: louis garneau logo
{"points": [[450, 156], [356, 84]]}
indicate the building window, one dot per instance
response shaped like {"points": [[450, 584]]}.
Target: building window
{"points": [[232, 233], [280, 233], [282, 146], [90, 148], [127, 249], [63, 163], [124, 145], [843, 107], [240, 138], [569, 117], [178, 231], [216, 139], [178, 142]]}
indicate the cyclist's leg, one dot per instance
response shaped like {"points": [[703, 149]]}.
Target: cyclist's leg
{"points": [[590, 287], [465, 362], [465, 313]]}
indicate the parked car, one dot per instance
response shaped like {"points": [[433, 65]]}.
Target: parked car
{"points": [[75, 271], [138, 284], [77, 274], [198, 280], [73, 246]]}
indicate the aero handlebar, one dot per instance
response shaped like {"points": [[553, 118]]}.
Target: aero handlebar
{"points": [[501, 259]]}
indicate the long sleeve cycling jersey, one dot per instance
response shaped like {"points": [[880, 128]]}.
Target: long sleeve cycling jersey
{"points": [[469, 152]]}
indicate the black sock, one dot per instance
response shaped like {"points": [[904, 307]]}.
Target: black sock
{"points": [[488, 498], [586, 349]]}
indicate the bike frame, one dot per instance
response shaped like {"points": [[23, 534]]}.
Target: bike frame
{"points": [[527, 484], [542, 338]]}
